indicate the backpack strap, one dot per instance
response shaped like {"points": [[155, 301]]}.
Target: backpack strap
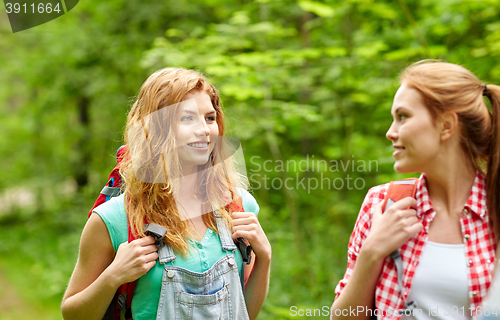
{"points": [[113, 187], [109, 191], [125, 291], [245, 249], [398, 190]]}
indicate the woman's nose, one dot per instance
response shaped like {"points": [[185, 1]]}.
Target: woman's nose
{"points": [[202, 128], [392, 133]]}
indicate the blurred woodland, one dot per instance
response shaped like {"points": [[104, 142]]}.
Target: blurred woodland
{"points": [[307, 88]]}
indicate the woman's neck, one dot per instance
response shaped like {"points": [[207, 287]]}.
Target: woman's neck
{"points": [[450, 184], [189, 205]]}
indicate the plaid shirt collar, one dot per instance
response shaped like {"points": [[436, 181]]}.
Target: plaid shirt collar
{"points": [[476, 202]]}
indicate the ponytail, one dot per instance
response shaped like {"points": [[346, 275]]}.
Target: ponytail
{"points": [[492, 92]]}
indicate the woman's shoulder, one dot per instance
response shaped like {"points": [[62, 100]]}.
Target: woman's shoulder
{"points": [[362, 227], [248, 201], [375, 195], [113, 207], [113, 213]]}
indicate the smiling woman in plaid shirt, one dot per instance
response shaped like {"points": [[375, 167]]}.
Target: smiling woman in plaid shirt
{"points": [[442, 128]]}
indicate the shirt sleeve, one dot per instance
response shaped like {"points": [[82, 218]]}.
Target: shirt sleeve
{"points": [[113, 214], [249, 202], [360, 232]]}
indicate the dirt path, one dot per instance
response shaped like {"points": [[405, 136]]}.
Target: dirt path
{"points": [[13, 306], [10, 301]]}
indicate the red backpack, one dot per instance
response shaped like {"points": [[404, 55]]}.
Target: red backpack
{"points": [[120, 307]]}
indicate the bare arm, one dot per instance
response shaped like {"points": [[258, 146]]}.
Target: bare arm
{"points": [[247, 225], [98, 272], [388, 232]]}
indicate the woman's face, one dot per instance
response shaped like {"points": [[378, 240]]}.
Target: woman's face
{"points": [[414, 133], [197, 124]]}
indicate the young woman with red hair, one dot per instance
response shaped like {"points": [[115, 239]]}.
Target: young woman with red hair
{"points": [[446, 235], [177, 174]]}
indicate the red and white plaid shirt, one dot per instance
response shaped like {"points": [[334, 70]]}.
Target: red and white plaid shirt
{"points": [[478, 238]]}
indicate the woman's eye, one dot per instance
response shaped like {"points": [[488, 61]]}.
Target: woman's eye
{"points": [[187, 118], [402, 116], [211, 119]]}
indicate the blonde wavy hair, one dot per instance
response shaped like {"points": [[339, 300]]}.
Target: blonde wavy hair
{"points": [[151, 166]]}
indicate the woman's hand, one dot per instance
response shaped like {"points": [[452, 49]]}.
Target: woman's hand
{"points": [[99, 271], [391, 229], [133, 260], [247, 225]]}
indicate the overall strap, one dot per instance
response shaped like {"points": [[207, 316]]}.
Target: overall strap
{"points": [[165, 253], [224, 233], [227, 242]]}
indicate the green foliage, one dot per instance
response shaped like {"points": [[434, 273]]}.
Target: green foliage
{"points": [[305, 84]]}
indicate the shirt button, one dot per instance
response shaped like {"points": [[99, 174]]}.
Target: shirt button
{"points": [[467, 236], [210, 231], [488, 261], [206, 238], [205, 265], [464, 211], [469, 263], [474, 294], [200, 246]]}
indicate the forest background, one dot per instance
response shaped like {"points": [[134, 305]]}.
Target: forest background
{"points": [[304, 83]]}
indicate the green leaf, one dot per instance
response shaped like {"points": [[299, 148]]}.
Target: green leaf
{"points": [[319, 9]]}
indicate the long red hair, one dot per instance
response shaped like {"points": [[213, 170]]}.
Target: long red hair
{"points": [[150, 133]]}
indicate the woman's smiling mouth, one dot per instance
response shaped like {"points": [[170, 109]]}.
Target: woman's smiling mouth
{"points": [[398, 150], [199, 145]]}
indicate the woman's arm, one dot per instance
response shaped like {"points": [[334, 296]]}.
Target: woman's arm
{"points": [[98, 272], [388, 232], [247, 225]]}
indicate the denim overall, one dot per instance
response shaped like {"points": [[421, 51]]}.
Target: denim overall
{"points": [[213, 294]]}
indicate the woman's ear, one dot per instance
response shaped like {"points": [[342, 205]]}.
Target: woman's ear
{"points": [[448, 124]]}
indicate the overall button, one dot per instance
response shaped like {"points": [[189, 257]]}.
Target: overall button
{"points": [[231, 262], [170, 273]]}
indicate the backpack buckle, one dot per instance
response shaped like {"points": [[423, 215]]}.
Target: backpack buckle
{"points": [[245, 250], [157, 231]]}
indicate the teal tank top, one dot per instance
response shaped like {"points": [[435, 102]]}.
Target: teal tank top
{"points": [[202, 256]]}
